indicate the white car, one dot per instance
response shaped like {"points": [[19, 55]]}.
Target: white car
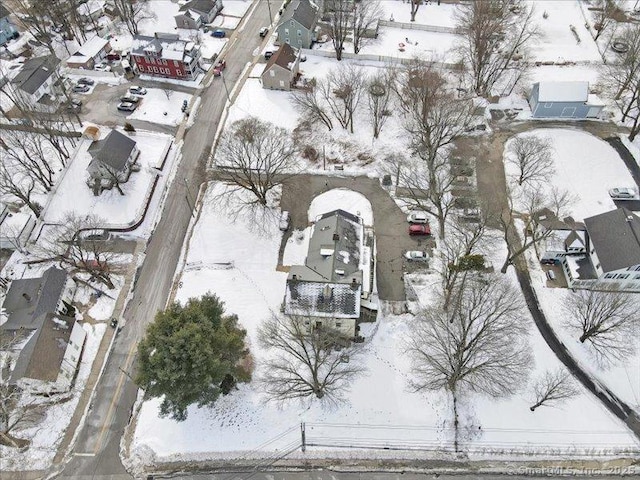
{"points": [[622, 193], [135, 90], [416, 256], [417, 217], [102, 67]]}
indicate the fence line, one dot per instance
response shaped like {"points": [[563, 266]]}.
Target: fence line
{"points": [[417, 26], [372, 58]]}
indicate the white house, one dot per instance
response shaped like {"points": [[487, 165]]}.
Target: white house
{"points": [[38, 83], [112, 160]]}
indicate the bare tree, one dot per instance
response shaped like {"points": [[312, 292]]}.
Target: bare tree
{"points": [[479, 346], [35, 17], [27, 152], [415, 5], [605, 12], [309, 102], [434, 118], [256, 157], [552, 387], [534, 201], [380, 88], [342, 90], [306, 361], [132, 12], [16, 183], [65, 244], [495, 39], [608, 319], [340, 15], [532, 155], [366, 14]]}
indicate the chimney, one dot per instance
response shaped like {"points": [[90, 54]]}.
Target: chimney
{"points": [[294, 277], [26, 296], [336, 237]]}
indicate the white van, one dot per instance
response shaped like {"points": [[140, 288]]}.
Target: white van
{"points": [[551, 275]]}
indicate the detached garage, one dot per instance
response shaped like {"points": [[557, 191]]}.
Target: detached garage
{"points": [[564, 100]]}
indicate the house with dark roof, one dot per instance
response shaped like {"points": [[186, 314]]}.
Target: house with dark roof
{"points": [[41, 325], [8, 30], [112, 160], [38, 82], [196, 13], [328, 290], [282, 69], [166, 55], [614, 248], [298, 24]]}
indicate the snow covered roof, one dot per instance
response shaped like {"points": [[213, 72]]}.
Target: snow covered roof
{"points": [[615, 236], [563, 91], [92, 47], [168, 45], [35, 72]]}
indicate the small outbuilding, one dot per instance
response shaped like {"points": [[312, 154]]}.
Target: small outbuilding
{"points": [[564, 100]]}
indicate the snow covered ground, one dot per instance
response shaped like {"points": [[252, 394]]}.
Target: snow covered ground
{"points": [[157, 107], [585, 166], [234, 261], [73, 194], [428, 14], [237, 8]]}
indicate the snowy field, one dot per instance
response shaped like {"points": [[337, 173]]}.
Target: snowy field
{"points": [[402, 43], [238, 264], [428, 14], [587, 167], [237, 8], [73, 194], [156, 107]]}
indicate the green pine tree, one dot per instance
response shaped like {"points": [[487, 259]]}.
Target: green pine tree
{"points": [[192, 354]]}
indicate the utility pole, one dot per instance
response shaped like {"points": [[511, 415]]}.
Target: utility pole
{"points": [[188, 198], [225, 86], [304, 437], [269, 7]]}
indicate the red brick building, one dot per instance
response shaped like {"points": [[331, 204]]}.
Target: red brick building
{"points": [[166, 55]]}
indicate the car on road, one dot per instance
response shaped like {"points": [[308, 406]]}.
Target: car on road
{"points": [[416, 256], [218, 33], [126, 106], [264, 31], [136, 90], [622, 193], [419, 229], [102, 67], [285, 219], [268, 54], [80, 88], [417, 217], [85, 81], [220, 66]]}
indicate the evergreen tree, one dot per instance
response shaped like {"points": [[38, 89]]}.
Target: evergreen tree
{"points": [[191, 354]]}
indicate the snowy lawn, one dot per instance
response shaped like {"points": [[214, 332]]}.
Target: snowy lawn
{"points": [[342, 198], [73, 194], [156, 107], [47, 434], [238, 264], [164, 11], [587, 167], [237, 8], [428, 14]]}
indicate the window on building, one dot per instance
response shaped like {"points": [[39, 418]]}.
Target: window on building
{"points": [[175, 63], [609, 275], [286, 31], [272, 73], [152, 60], [299, 33]]}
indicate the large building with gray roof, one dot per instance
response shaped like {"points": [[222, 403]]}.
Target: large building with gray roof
{"points": [[40, 332], [298, 24], [328, 289], [37, 82]]}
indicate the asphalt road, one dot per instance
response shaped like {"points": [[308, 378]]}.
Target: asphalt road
{"points": [[96, 451]]}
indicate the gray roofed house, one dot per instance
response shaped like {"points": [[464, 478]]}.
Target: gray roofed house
{"points": [[330, 285], [112, 159], [297, 25], [281, 70], [8, 30], [37, 310], [615, 237], [37, 78], [195, 13]]}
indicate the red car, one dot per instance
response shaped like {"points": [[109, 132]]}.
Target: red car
{"points": [[421, 229], [220, 66]]}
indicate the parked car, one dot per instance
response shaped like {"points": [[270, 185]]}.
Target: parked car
{"points": [[303, 58], [113, 56], [130, 99], [419, 229], [85, 81], [220, 66], [268, 54], [102, 67], [126, 106], [417, 217], [622, 193], [264, 31], [218, 33], [416, 256], [285, 219], [80, 88], [548, 261], [96, 235], [136, 90]]}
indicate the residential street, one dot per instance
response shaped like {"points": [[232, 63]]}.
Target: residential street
{"points": [[96, 451]]}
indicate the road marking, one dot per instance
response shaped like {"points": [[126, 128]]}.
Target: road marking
{"points": [[113, 401], [84, 454]]}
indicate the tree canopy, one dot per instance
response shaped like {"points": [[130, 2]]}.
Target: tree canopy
{"points": [[191, 354]]}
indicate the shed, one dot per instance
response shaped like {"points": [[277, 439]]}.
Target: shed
{"points": [[564, 100]]}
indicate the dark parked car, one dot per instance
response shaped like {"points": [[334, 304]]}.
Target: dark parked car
{"points": [[218, 33], [126, 106], [268, 54], [264, 31], [80, 88], [85, 81], [419, 229]]}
